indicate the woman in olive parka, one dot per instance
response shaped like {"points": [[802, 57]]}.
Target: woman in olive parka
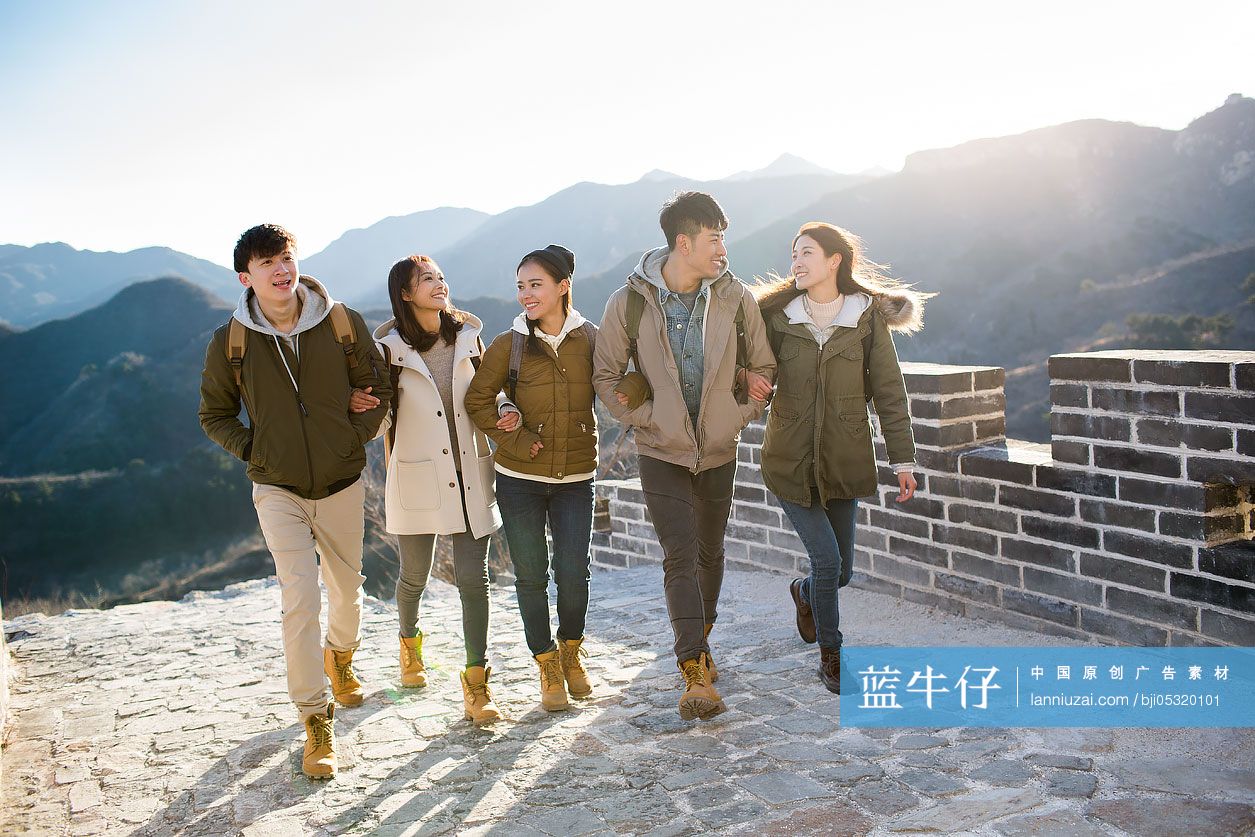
{"points": [[830, 313]]}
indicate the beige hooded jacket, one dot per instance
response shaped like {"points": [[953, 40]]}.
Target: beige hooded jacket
{"points": [[663, 427]]}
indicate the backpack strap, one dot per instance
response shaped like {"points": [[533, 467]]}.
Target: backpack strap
{"points": [[590, 334], [237, 343], [632, 325], [343, 325], [517, 341], [394, 375], [742, 353]]}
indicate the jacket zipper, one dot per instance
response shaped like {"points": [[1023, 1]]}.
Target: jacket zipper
{"points": [[819, 419], [309, 461]]}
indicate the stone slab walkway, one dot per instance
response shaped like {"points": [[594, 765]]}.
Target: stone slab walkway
{"points": [[172, 718]]}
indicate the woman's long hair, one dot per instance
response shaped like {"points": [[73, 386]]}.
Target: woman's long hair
{"points": [[855, 274], [451, 319], [551, 270]]}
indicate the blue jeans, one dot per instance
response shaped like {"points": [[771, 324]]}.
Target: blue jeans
{"points": [[828, 535], [568, 507]]}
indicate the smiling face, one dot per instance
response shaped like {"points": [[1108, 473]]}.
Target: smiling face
{"points": [[812, 269], [538, 292], [273, 278], [427, 290], [704, 253]]}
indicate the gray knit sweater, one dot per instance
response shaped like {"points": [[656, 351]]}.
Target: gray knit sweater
{"points": [[439, 360]]}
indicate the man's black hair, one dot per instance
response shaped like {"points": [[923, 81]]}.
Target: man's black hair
{"points": [[262, 242], [688, 213]]}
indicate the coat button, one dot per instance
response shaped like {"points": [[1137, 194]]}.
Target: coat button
{"points": [[559, 475], [438, 413], [445, 451], [453, 485]]}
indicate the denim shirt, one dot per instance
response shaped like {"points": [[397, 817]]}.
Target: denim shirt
{"points": [[684, 333]]}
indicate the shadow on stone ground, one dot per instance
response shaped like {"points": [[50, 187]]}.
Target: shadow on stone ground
{"points": [[170, 718]]}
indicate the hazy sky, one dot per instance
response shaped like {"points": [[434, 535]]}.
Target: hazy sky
{"points": [[136, 123]]}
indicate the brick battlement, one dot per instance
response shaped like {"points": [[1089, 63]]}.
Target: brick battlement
{"points": [[1134, 524]]}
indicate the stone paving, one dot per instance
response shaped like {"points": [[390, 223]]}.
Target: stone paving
{"points": [[172, 718]]}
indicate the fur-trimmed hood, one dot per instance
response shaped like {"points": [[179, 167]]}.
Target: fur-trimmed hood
{"points": [[902, 308]]}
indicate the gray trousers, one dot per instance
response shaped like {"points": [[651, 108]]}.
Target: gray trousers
{"points": [[470, 572], [689, 512]]}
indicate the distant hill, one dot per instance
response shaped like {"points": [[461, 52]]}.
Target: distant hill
{"points": [[357, 263], [106, 480], [53, 281], [603, 224], [1009, 230], [114, 383], [785, 165]]}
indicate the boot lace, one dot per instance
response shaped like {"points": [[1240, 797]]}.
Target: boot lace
{"points": [[550, 671], [694, 673], [479, 690], [344, 671], [570, 657], [831, 664], [413, 657], [320, 730]]}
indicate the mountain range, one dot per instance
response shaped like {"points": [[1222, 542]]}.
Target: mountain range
{"points": [[53, 281], [1045, 242]]}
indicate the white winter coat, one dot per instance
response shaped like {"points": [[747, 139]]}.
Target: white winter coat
{"points": [[421, 496]]}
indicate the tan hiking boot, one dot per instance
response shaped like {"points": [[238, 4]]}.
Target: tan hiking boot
{"points": [[413, 672], [476, 697], [319, 759], [344, 683], [710, 660], [700, 700], [552, 687], [569, 651]]}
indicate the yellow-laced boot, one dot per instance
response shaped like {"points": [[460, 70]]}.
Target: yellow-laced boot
{"points": [[569, 652], [552, 686], [476, 697], [413, 672], [700, 699], [345, 686], [710, 660], [319, 758]]}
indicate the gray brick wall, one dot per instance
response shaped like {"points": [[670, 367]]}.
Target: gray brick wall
{"points": [[1134, 524]]}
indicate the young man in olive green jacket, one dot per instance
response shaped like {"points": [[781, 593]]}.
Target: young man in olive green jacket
{"points": [[688, 426], [287, 357]]}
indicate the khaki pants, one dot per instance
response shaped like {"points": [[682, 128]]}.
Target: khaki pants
{"points": [[299, 533]]}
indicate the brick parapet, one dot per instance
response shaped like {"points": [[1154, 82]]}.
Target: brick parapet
{"points": [[1134, 524]]}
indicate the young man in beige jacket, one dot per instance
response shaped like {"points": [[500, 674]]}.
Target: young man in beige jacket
{"points": [[690, 362]]}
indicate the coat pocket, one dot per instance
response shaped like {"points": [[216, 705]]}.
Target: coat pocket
{"points": [[417, 487], [856, 423], [487, 477]]}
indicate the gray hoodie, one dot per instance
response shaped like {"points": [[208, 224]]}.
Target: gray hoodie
{"points": [[316, 303]]}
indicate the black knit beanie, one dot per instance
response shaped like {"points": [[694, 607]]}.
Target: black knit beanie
{"points": [[556, 256]]}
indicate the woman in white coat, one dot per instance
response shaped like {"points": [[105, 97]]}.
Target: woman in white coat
{"points": [[440, 468]]}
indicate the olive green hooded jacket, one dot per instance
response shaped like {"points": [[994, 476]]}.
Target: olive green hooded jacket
{"points": [[299, 437], [819, 434]]}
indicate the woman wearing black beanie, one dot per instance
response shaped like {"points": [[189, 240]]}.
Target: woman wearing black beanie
{"points": [[545, 466]]}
